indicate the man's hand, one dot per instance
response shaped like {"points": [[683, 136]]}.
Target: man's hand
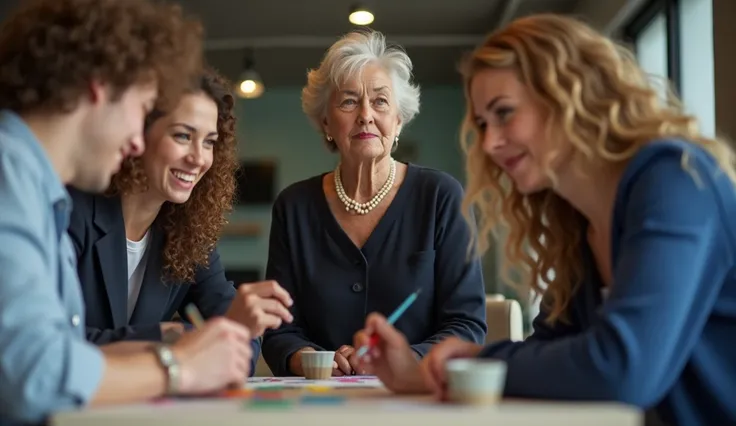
{"points": [[260, 306], [214, 357], [125, 347]]}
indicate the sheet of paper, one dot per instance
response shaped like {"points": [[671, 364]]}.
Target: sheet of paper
{"points": [[301, 382]]}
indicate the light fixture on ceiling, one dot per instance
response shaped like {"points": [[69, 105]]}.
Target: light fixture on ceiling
{"points": [[249, 84], [360, 15]]}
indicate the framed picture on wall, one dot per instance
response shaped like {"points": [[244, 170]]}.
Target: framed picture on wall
{"points": [[256, 182], [243, 275]]}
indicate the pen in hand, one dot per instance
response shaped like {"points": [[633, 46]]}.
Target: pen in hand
{"points": [[194, 316], [391, 320]]}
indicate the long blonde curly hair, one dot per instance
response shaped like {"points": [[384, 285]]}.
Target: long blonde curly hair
{"points": [[596, 99]]}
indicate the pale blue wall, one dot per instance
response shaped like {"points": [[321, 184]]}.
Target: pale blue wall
{"points": [[274, 127]]}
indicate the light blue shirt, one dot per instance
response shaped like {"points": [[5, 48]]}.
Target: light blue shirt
{"points": [[46, 365]]}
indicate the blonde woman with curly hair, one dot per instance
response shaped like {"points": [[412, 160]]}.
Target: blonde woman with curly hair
{"points": [[146, 249], [630, 211]]}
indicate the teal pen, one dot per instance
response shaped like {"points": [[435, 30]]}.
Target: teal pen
{"points": [[391, 320]]}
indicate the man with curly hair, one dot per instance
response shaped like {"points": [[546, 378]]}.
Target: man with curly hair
{"points": [[77, 79]]}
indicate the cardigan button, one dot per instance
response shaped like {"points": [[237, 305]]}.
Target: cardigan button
{"points": [[75, 320], [357, 287]]}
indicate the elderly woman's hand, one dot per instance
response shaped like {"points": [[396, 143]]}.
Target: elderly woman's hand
{"points": [[348, 363]]}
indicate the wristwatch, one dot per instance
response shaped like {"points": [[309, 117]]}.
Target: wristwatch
{"points": [[168, 361]]}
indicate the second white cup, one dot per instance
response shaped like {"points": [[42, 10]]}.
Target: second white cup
{"points": [[476, 381]]}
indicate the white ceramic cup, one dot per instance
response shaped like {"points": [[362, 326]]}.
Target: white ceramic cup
{"points": [[475, 381], [317, 365]]}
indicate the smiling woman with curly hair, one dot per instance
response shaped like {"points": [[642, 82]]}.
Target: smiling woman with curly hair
{"points": [[194, 214], [146, 249]]}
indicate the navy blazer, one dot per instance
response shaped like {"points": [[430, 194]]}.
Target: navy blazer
{"points": [[98, 233]]}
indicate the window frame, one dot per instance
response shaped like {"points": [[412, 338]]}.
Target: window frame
{"points": [[643, 18]]}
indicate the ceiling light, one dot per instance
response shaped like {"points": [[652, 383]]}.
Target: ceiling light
{"points": [[360, 16], [249, 85]]}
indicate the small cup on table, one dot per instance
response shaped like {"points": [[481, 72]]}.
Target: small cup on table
{"points": [[477, 382], [317, 365]]}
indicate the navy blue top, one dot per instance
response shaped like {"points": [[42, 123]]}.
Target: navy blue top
{"points": [[664, 336], [97, 231], [421, 241]]}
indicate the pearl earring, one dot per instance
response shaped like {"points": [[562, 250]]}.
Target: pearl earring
{"points": [[329, 138]]}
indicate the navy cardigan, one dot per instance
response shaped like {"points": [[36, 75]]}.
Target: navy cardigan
{"points": [[421, 241]]}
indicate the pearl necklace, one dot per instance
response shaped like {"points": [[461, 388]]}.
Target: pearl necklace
{"points": [[364, 208]]}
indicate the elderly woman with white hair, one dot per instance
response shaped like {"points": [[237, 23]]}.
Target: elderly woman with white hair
{"points": [[364, 237]]}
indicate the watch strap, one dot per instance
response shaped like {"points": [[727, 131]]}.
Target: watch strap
{"points": [[170, 364]]}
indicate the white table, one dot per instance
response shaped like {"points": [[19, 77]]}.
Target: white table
{"points": [[369, 407]]}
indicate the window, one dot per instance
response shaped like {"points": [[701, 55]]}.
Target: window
{"points": [[682, 53], [651, 49], [698, 87], [655, 36]]}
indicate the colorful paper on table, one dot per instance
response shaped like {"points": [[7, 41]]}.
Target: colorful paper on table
{"points": [[259, 383], [322, 399], [237, 393], [268, 395], [268, 403]]}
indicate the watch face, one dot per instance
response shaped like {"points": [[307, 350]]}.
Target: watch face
{"points": [[166, 356]]}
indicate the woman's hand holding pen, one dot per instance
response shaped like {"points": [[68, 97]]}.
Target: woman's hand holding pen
{"points": [[391, 359]]}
